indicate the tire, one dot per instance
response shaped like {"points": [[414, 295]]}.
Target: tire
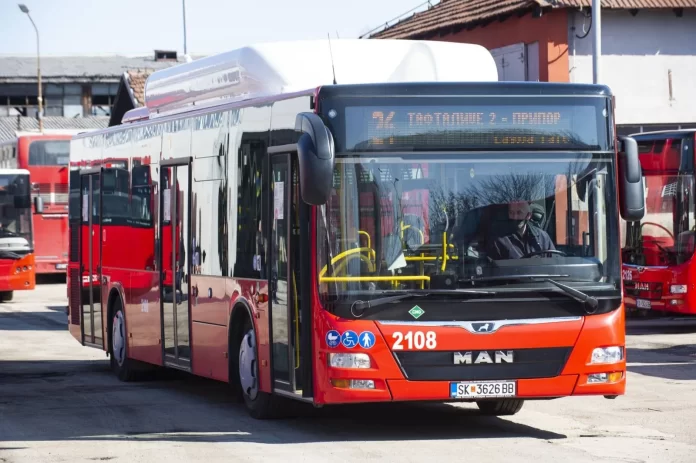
{"points": [[502, 407], [6, 296], [259, 404], [121, 365]]}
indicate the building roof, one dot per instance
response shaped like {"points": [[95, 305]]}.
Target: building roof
{"points": [[136, 82], [462, 13], [76, 68], [10, 125]]}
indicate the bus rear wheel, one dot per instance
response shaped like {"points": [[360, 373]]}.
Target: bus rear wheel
{"points": [[6, 296], [259, 404], [501, 407]]}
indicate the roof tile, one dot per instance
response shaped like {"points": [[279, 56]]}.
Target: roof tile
{"points": [[450, 13]]}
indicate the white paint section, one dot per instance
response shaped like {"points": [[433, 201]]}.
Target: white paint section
{"points": [[293, 66], [639, 53]]}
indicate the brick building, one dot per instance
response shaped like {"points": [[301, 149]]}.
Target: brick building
{"points": [[648, 48]]}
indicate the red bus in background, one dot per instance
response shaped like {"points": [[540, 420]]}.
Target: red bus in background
{"points": [[658, 252], [46, 157], [16, 254]]}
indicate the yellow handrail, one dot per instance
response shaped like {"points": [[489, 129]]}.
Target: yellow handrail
{"points": [[369, 239], [347, 253]]}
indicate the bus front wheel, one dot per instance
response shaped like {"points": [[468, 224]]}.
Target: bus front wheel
{"points": [[118, 346], [260, 404], [502, 407], [6, 296]]}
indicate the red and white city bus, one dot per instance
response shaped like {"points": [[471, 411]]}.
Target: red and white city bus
{"points": [[46, 158], [658, 252], [334, 243], [17, 270]]}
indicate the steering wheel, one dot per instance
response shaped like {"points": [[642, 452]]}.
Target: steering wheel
{"points": [[550, 251], [671, 235]]}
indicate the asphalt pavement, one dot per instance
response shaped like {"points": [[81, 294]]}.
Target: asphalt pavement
{"points": [[59, 402]]}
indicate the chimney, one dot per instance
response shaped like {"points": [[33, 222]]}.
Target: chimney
{"points": [[165, 55]]}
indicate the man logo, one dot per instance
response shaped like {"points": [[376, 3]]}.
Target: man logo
{"points": [[482, 327], [467, 358]]}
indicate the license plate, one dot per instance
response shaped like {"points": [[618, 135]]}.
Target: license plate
{"points": [[481, 389], [643, 304], [61, 266]]}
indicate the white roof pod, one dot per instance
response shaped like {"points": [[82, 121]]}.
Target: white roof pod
{"points": [[285, 67]]}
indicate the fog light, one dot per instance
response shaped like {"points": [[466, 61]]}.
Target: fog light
{"points": [[612, 354], [598, 378], [362, 384], [349, 360], [675, 302], [677, 289], [353, 383]]}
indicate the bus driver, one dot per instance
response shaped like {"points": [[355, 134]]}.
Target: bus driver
{"points": [[522, 238]]}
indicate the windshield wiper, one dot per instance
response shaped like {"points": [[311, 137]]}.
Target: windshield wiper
{"points": [[589, 303], [10, 255], [358, 307], [514, 277]]}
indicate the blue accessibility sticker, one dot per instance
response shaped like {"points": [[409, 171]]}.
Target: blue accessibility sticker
{"points": [[366, 340], [349, 339], [333, 338]]}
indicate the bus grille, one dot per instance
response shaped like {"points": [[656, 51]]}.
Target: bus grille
{"points": [[51, 193], [643, 290], [75, 286], [440, 366]]}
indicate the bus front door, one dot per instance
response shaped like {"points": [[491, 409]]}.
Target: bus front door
{"points": [[174, 225], [287, 275], [90, 257]]}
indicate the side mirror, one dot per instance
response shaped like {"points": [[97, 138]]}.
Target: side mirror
{"points": [[631, 187], [38, 204], [315, 151]]}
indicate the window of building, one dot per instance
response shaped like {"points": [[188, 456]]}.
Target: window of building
{"points": [[103, 96]]}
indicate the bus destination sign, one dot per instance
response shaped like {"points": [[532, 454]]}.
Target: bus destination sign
{"points": [[472, 127]]}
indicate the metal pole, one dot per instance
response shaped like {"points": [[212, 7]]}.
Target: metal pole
{"points": [[596, 39], [24, 9], [184, 5]]}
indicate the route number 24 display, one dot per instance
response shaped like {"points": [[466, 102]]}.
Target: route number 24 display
{"points": [[418, 340]]}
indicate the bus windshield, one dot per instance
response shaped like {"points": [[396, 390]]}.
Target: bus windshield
{"points": [[405, 221], [665, 235], [49, 153], [15, 212]]}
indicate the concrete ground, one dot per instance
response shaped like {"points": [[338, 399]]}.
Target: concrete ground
{"points": [[59, 402]]}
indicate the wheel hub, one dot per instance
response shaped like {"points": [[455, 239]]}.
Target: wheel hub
{"points": [[248, 366], [118, 341]]}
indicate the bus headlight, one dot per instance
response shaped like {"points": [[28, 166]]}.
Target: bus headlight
{"points": [[677, 289], [612, 354], [349, 361]]}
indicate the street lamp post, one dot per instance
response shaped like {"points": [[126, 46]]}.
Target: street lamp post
{"points": [[24, 9]]}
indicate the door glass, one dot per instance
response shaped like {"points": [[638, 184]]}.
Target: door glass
{"points": [[85, 257], [279, 270], [182, 268], [95, 271], [168, 232], [175, 266]]}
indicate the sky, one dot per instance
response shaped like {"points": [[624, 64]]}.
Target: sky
{"points": [[138, 27]]}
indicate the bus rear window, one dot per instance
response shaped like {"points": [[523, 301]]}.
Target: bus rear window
{"points": [[49, 153]]}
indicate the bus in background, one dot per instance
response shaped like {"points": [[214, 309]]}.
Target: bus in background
{"points": [[16, 253], [353, 243], [46, 157], [658, 252]]}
